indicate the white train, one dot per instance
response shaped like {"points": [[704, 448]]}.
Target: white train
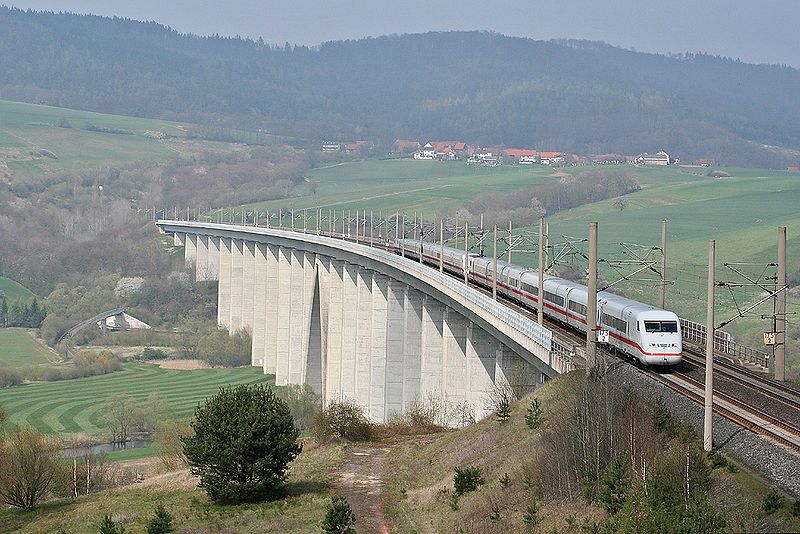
{"points": [[649, 334]]}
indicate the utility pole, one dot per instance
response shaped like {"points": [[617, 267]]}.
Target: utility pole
{"points": [[591, 299], [357, 225], [708, 405], [780, 309], [371, 228], [305, 220], [466, 253], [292, 219], [441, 245], [662, 295], [508, 252], [494, 265], [540, 306], [546, 245], [403, 240]]}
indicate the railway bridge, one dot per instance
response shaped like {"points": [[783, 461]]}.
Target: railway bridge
{"points": [[357, 322]]}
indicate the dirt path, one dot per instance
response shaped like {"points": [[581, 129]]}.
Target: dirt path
{"points": [[361, 481]]}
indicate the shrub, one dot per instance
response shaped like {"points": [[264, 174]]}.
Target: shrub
{"points": [[9, 377], [343, 420], [244, 439], [339, 517], [505, 480], [467, 479], [773, 501], [107, 526], [533, 416], [161, 522], [303, 402], [531, 515], [153, 354], [28, 468], [662, 419]]}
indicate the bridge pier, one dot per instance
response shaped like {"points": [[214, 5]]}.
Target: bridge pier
{"points": [[352, 330]]}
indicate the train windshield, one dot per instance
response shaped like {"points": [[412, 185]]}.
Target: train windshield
{"points": [[661, 326]]}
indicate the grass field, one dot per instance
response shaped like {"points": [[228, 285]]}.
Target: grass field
{"points": [[18, 348], [14, 290], [741, 213], [74, 406], [309, 484]]}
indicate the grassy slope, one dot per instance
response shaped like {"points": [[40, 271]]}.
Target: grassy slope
{"points": [[421, 481], [18, 348], [24, 129], [14, 290], [74, 406], [301, 512]]}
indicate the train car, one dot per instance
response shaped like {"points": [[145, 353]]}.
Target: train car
{"points": [[649, 334]]}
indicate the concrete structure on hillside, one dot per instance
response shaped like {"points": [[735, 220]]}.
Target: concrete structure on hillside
{"points": [[356, 322]]}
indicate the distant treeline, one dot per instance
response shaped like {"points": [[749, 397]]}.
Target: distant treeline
{"points": [[481, 87]]}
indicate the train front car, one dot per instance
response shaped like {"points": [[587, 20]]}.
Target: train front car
{"points": [[659, 333]]}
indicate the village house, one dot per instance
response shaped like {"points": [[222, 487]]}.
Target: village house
{"points": [[350, 148], [426, 152], [520, 156], [331, 147], [660, 158], [405, 145], [705, 162], [553, 159], [608, 159]]}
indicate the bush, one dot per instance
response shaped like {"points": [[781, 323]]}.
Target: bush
{"points": [[339, 517], [773, 501], [153, 354], [244, 439], [303, 402], [28, 468], [161, 522], [342, 420], [9, 377], [467, 479]]}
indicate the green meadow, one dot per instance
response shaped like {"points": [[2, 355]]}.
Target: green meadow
{"points": [[741, 213], [18, 348], [75, 406], [14, 290]]}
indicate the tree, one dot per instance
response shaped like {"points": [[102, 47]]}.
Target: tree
{"points": [[28, 468], [614, 486], [109, 527], [3, 312], [533, 416], [123, 416], [621, 203], [161, 522], [339, 517], [244, 439]]}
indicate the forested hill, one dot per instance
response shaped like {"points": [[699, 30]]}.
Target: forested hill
{"points": [[480, 87]]}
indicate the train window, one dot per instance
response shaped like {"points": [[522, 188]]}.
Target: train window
{"points": [[555, 299], [577, 307], [670, 327], [614, 322]]}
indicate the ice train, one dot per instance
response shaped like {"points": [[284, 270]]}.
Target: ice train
{"points": [[649, 334]]}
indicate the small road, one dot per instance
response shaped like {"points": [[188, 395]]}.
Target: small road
{"points": [[361, 480]]}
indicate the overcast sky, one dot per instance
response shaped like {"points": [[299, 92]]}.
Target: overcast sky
{"points": [[761, 31]]}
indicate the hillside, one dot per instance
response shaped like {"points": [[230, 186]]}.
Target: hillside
{"points": [[482, 87]]}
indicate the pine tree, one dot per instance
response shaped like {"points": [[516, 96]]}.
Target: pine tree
{"points": [[614, 485], [3, 312], [339, 518], [161, 523], [109, 527], [533, 417]]}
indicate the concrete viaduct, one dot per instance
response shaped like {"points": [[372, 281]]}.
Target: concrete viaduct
{"points": [[357, 322]]}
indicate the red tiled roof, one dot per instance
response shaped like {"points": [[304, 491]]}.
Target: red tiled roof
{"points": [[404, 144], [550, 154]]}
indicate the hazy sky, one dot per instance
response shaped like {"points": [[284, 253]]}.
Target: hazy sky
{"points": [[763, 31]]}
